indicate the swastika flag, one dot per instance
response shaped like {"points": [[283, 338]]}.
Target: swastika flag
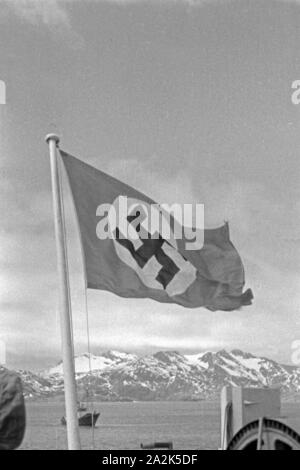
{"points": [[125, 255]]}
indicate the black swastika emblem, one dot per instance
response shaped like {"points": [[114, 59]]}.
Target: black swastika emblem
{"points": [[151, 247]]}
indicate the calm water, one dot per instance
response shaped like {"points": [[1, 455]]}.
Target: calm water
{"points": [[190, 425]]}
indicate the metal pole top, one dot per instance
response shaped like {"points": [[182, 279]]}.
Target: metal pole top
{"points": [[52, 137]]}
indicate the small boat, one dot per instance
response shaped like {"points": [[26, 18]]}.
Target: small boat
{"points": [[88, 419], [82, 407]]}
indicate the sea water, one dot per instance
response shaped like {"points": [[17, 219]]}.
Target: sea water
{"points": [[189, 425]]}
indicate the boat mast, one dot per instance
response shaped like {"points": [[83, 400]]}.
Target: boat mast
{"points": [[64, 295]]}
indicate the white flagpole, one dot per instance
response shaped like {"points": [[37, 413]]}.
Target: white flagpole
{"points": [[65, 308]]}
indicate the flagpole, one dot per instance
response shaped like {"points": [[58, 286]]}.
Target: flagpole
{"points": [[65, 307]]}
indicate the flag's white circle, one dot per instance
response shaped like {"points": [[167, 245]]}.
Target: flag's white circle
{"points": [[169, 271]]}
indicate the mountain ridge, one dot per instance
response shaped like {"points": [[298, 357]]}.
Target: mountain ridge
{"points": [[164, 375]]}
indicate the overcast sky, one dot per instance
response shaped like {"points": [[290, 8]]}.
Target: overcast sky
{"points": [[188, 101]]}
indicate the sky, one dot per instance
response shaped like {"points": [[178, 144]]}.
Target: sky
{"points": [[188, 101]]}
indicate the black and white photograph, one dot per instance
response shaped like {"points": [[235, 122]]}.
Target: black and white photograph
{"points": [[149, 227]]}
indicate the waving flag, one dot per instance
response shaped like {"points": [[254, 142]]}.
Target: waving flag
{"points": [[129, 265]]}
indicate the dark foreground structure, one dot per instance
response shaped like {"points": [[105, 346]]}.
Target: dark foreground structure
{"points": [[12, 410]]}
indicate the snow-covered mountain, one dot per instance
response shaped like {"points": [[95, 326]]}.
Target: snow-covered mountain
{"points": [[165, 375], [86, 362]]}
